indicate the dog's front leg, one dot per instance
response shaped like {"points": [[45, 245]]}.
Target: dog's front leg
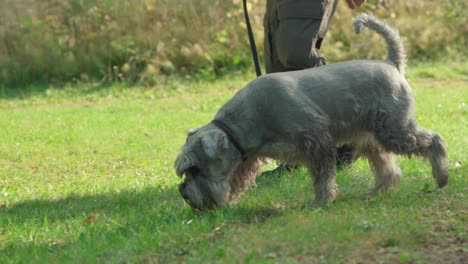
{"points": [[321, 164], [324, 185]]}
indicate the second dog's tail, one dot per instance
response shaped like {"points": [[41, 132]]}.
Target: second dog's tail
{"points": [[395, 50]]}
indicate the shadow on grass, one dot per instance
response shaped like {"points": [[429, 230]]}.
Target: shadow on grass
{"points": [[150, 225], [75, 205], [41, 89], [149, 200], [154, 215], [171, 82]]}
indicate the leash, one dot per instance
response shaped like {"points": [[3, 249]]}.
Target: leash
{"points": [[325, 23], [253, 47]]}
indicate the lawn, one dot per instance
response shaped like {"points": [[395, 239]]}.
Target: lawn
{"points": [[86, 176]]}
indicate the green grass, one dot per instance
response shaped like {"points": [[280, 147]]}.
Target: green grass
{"points": [[86, 176]]}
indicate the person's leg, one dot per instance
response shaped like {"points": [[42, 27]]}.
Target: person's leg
{"points": [[267, 45], [270, 27], [290, 31], [295, 43], [304, 53], [346, 156]]}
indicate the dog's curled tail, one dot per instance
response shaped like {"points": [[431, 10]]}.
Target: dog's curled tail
{"points": [[395, 49]]}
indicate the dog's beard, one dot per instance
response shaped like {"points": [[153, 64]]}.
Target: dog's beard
{"points": [[204, 194]]}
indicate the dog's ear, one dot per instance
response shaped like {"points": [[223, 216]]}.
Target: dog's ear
{"points": [[183, 163], [214, 143], [192, 131]]}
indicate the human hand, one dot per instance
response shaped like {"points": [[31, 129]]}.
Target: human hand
{"points": [[354, 3]]}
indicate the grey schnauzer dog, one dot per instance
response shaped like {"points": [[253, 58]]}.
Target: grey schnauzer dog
{"points": [[300, 117]]}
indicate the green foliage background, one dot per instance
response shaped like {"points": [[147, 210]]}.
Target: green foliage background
{"points": [[56, 41]]}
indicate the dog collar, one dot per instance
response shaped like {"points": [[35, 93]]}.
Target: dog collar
{"points": [[219, 124]]}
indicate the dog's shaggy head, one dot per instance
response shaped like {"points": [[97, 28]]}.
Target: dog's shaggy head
{"points": [[213, 168]]}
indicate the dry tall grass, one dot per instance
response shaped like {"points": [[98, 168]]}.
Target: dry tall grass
{"points": [[139, 40]]}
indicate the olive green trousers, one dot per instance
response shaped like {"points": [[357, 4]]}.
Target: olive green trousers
{"points": [[291, 28]]}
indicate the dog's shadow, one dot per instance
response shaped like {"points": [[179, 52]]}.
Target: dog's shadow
{"points": [[153, 209], [39, 90], [132, 214], [123, 213]]}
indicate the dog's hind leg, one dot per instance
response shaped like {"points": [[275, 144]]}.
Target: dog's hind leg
{"points": [[383, 164], [431, 146], [321, 153], [413, 140], [438, 158]]}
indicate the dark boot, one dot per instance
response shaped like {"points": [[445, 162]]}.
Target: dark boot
{"points": [[346, 156], [282, 168]]}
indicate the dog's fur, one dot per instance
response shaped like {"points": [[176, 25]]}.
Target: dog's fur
{"points": [[300, 117]]}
